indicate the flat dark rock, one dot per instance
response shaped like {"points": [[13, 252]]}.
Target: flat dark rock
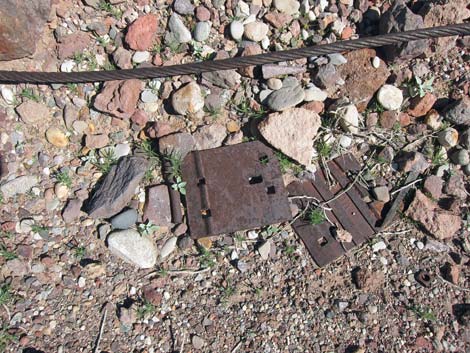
{"points": [[117, 188]]}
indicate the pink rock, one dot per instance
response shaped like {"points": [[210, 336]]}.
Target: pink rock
{"points": [[433, 185], [420, 106], [119, 98], [72, 44], [202, 13], [157, 207], [139, 118], [141, 33], [96, 141], [437, 221]]}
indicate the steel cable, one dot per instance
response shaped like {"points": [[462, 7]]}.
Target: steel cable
{"points": [[236, 62]]}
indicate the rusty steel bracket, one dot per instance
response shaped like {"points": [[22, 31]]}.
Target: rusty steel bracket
{"points": [[233, 188], [348, 212]]}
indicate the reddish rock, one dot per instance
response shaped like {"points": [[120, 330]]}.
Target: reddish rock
{"points": [[451, 273], [202, 13], [96, 141], [404, 119], [157, 60], [157, 206], [72, 211], [277, 19], [437, 221], [141, 32], [252, 49], [140, 118], [294, 29], [455, 186], [151, 295], [347, 32], [159, 129], [420, 106], [433, 186], [25, 251], [362, 80], [408, 161], [388, 119], [72, 44], [368, 281], [371, 120], [21, 26], [316, 107], [119, 98]]}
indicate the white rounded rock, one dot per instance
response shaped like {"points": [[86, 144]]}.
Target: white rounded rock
{"points": [[236, 30], [188, 100], [141, 57], [289, 7], [8, 95], [376, 62], [256, 31], [349, 118], [390, 97], [133, 248], [315, 94]]}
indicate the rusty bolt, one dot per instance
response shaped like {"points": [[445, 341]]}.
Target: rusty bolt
{"points": [[424, 278]]}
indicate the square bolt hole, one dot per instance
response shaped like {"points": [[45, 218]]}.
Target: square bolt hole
{"points": [[255, 180], [270, 190], [322, 241]]}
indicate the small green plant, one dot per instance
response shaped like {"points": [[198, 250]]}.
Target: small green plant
{"points": [[206, 258], [5, 338], [5, 294], [73, 88], [271, 230], [227, 292], [108, 7], [316, 216], [80, 252], [109, 66], [106, 161], [147, 228], [323, 149], [289, 249], [418, 87], [38, 228], [103, 41], [6, 254], [29, 94], [179, 186], [88, 58], [145, 310], [423, 313], [438, 158], [147, 148], [63, 177], [245, 110], [175, 160], [374, 107], [259, 292], [1, 198], [162, 272], [156, 49], [286, 164]]}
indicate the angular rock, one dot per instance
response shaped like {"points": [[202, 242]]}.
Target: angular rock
{"points": [[119, 98], [228, 79], [157, 207], [438, 222], [399, 18], [117, 188], [278, 20], [288, 7], [460, 157], [183, 7], [169, 247], [181, 143], [22, 24], [455, 186], [381, 193], [72, 44], [292, 132], [188, 99], [412, 161], [433, 186], [125, 219], [133, 248], [123, 58], [56, 137], [274, 70], [369, 281], [32, 112], [285, 98], [361, 79], [251, 49], [72, 211], [256, 31], [210, 136], [388, 119], [327, 77], [20, 185], [420, 106], [141, 32], [459, 112], [178, 30], [96, 141], [348, 117], [265, 249]]}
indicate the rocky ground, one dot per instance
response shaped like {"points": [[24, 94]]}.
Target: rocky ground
{"points": [[89, 251]]}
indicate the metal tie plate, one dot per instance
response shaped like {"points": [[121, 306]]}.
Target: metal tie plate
{"points": [[234, 188]]}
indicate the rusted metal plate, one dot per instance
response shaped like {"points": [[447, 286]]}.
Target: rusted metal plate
{"points": [[234, 188], [349, 212]]}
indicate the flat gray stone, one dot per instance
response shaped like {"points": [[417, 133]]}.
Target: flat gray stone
{"points": [[117, 188], [20, 185], [125, 219], [285, 98], [178, 29], [133, 248]]}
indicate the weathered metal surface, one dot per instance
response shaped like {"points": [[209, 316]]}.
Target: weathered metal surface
{"points": [[348, 212], [233, 188]]}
